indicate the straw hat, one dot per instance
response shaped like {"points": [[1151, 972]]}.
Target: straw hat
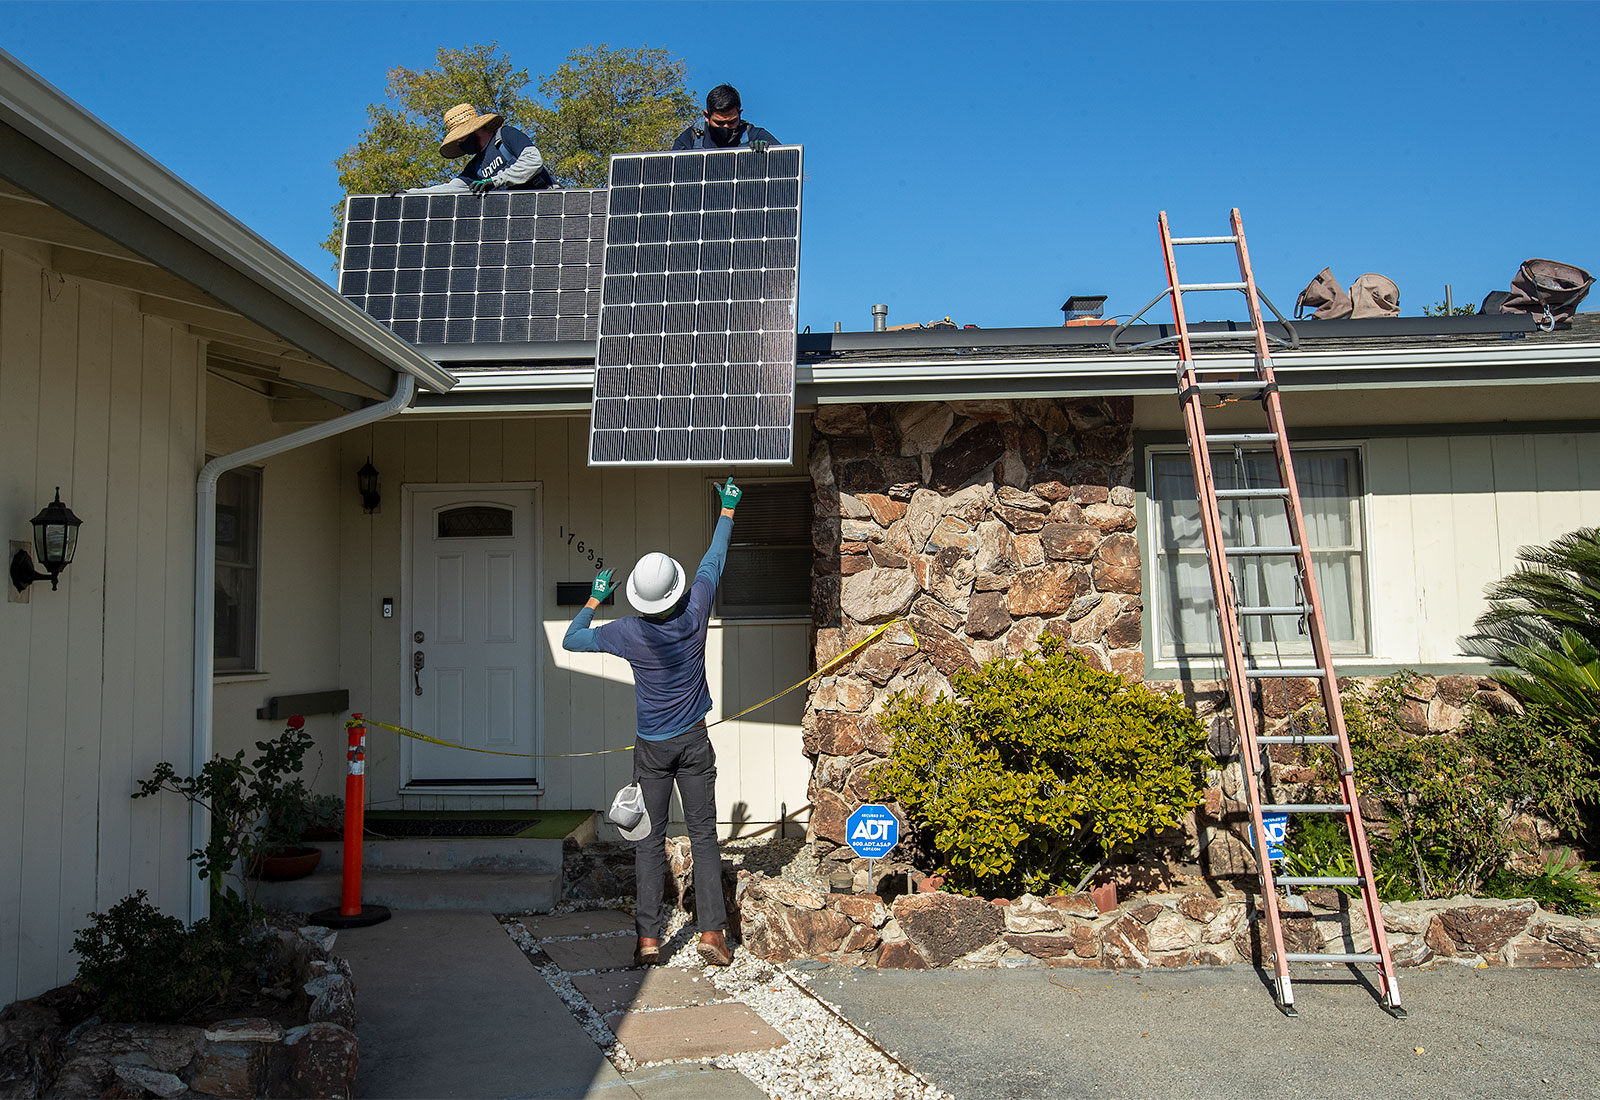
{"points": [[459, 121]]}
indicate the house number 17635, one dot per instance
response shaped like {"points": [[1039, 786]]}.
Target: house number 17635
{"points": [[571, 539]]}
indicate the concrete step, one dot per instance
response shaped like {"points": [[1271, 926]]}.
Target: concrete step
{"points": [[497, 891], [442, 853]]}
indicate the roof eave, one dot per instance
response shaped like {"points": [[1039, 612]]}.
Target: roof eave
{"points": [[125, 195]]}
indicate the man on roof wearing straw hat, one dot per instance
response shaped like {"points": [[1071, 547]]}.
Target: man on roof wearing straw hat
{"points": [[666, 645], [503, 157]]}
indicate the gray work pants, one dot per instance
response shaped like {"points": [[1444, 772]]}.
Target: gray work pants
{"points": [[689, 760]]}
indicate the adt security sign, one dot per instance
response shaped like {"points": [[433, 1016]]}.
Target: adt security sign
{"points": [[872, 831], [1276, 827]]}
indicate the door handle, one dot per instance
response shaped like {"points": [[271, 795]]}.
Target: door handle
{"points": [[416, 668]]}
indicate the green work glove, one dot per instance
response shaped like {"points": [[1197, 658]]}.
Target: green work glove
{"points": [[602, 586], [758, 146], [482, 186], [730, 494]]}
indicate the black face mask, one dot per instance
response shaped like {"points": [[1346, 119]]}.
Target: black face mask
{"points": [[723, 135]]}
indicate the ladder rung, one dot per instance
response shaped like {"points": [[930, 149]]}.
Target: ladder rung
{"points": [[1205, 240], [1228, 387], [1287, 671], [1260, 551], [1316, 880], [1297, 739], [1251, 494], [1329, 957], [1305, 808], [1287, 609], [1243, 437], [1184, 288]]}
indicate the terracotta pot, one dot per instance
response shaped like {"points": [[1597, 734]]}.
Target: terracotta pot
{"points": [[1105, 896], [287, 863]]}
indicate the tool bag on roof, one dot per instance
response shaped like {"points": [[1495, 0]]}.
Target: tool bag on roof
{"points": [[1374, 295], [1548, 288], [1371, 295], [1325, 296]]}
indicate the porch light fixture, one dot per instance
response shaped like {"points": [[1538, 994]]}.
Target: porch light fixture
{"points": [[367, 481], [55, 540]]}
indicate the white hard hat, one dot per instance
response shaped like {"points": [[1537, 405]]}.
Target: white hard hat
{"points": [[655, 584]]}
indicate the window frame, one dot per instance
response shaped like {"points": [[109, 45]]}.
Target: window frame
{"points": [[1165, 651], [250, 661], [752, 612]]}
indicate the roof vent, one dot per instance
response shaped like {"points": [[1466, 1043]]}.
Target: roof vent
{"points": [[1083, 305]]}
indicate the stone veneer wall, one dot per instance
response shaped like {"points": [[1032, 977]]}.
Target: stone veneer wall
{"points": [[984, 524]]}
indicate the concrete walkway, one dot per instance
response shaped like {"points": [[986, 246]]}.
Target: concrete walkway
{"points": [[451, 1007], [1020, 1034]]}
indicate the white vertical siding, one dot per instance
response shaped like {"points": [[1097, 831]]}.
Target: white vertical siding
{"points": [[1447, 516], [95, 676], [588, 699]]}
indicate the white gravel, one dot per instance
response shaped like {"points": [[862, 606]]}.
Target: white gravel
{"points": [[826, 1058]]}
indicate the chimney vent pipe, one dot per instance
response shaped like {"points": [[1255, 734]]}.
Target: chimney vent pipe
{"points": [[880, 318]]}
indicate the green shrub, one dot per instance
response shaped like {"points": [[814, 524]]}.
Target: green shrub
{"points": [[256, 808], [1038, 769], [142, 965], [1319, 845], [1561, 886], [1542, 627], [1451, 798]]}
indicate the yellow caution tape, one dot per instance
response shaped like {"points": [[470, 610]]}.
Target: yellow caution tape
{"points": [[416, 736]]}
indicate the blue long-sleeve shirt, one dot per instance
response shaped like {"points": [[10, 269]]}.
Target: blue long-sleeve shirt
{"points": [[668, 657]]}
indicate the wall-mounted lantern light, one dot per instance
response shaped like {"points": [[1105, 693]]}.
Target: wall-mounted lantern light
{"points": [[55, 540], [367, 480]]}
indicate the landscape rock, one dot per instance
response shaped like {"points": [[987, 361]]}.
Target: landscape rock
{"points": [[944, 927], [1031, 914], [319, 1060], [155, 1081], [230, 1069]]}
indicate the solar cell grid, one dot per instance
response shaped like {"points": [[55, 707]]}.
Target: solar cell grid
{"points": [[506, 267], [695, 345]]}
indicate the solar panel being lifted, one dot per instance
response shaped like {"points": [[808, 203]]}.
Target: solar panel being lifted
{"points": [[695, 361], [507, 267]]}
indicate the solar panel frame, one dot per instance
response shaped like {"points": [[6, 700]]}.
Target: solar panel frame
{"points": [[508, 267], [695, 353]]}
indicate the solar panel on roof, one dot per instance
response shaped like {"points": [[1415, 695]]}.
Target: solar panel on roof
{"points": [[695, 358], [506, 267]]}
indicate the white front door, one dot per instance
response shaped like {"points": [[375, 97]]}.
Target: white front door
{"points": [[472, 655]]}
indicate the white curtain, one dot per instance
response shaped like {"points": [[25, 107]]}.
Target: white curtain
{"points": [[1330, 498]]}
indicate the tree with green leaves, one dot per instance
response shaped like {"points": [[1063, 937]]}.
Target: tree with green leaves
{"points": [[604, 101], [600, 101]]}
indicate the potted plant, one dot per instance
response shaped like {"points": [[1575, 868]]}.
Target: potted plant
{"points": [[258, 809], [324, 818]]}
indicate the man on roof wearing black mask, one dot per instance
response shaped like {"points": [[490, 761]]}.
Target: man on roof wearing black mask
{"points": [[724, 126]]}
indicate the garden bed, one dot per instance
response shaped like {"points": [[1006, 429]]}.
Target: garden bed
{"points": [[288, 1030]]}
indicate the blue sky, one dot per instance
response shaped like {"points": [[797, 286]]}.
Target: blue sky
{"points": [[980, 161]]}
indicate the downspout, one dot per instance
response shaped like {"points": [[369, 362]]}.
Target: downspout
{"points": [[205, 564]]}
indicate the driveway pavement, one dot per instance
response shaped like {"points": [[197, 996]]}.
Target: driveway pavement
{"points": [[1003, 1034]]}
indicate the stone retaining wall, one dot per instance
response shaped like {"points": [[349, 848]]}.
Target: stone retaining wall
{"points": [[782, 920], [48, 1048]]}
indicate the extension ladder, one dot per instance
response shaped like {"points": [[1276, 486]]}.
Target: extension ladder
{"points": [[1195, 382]]}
